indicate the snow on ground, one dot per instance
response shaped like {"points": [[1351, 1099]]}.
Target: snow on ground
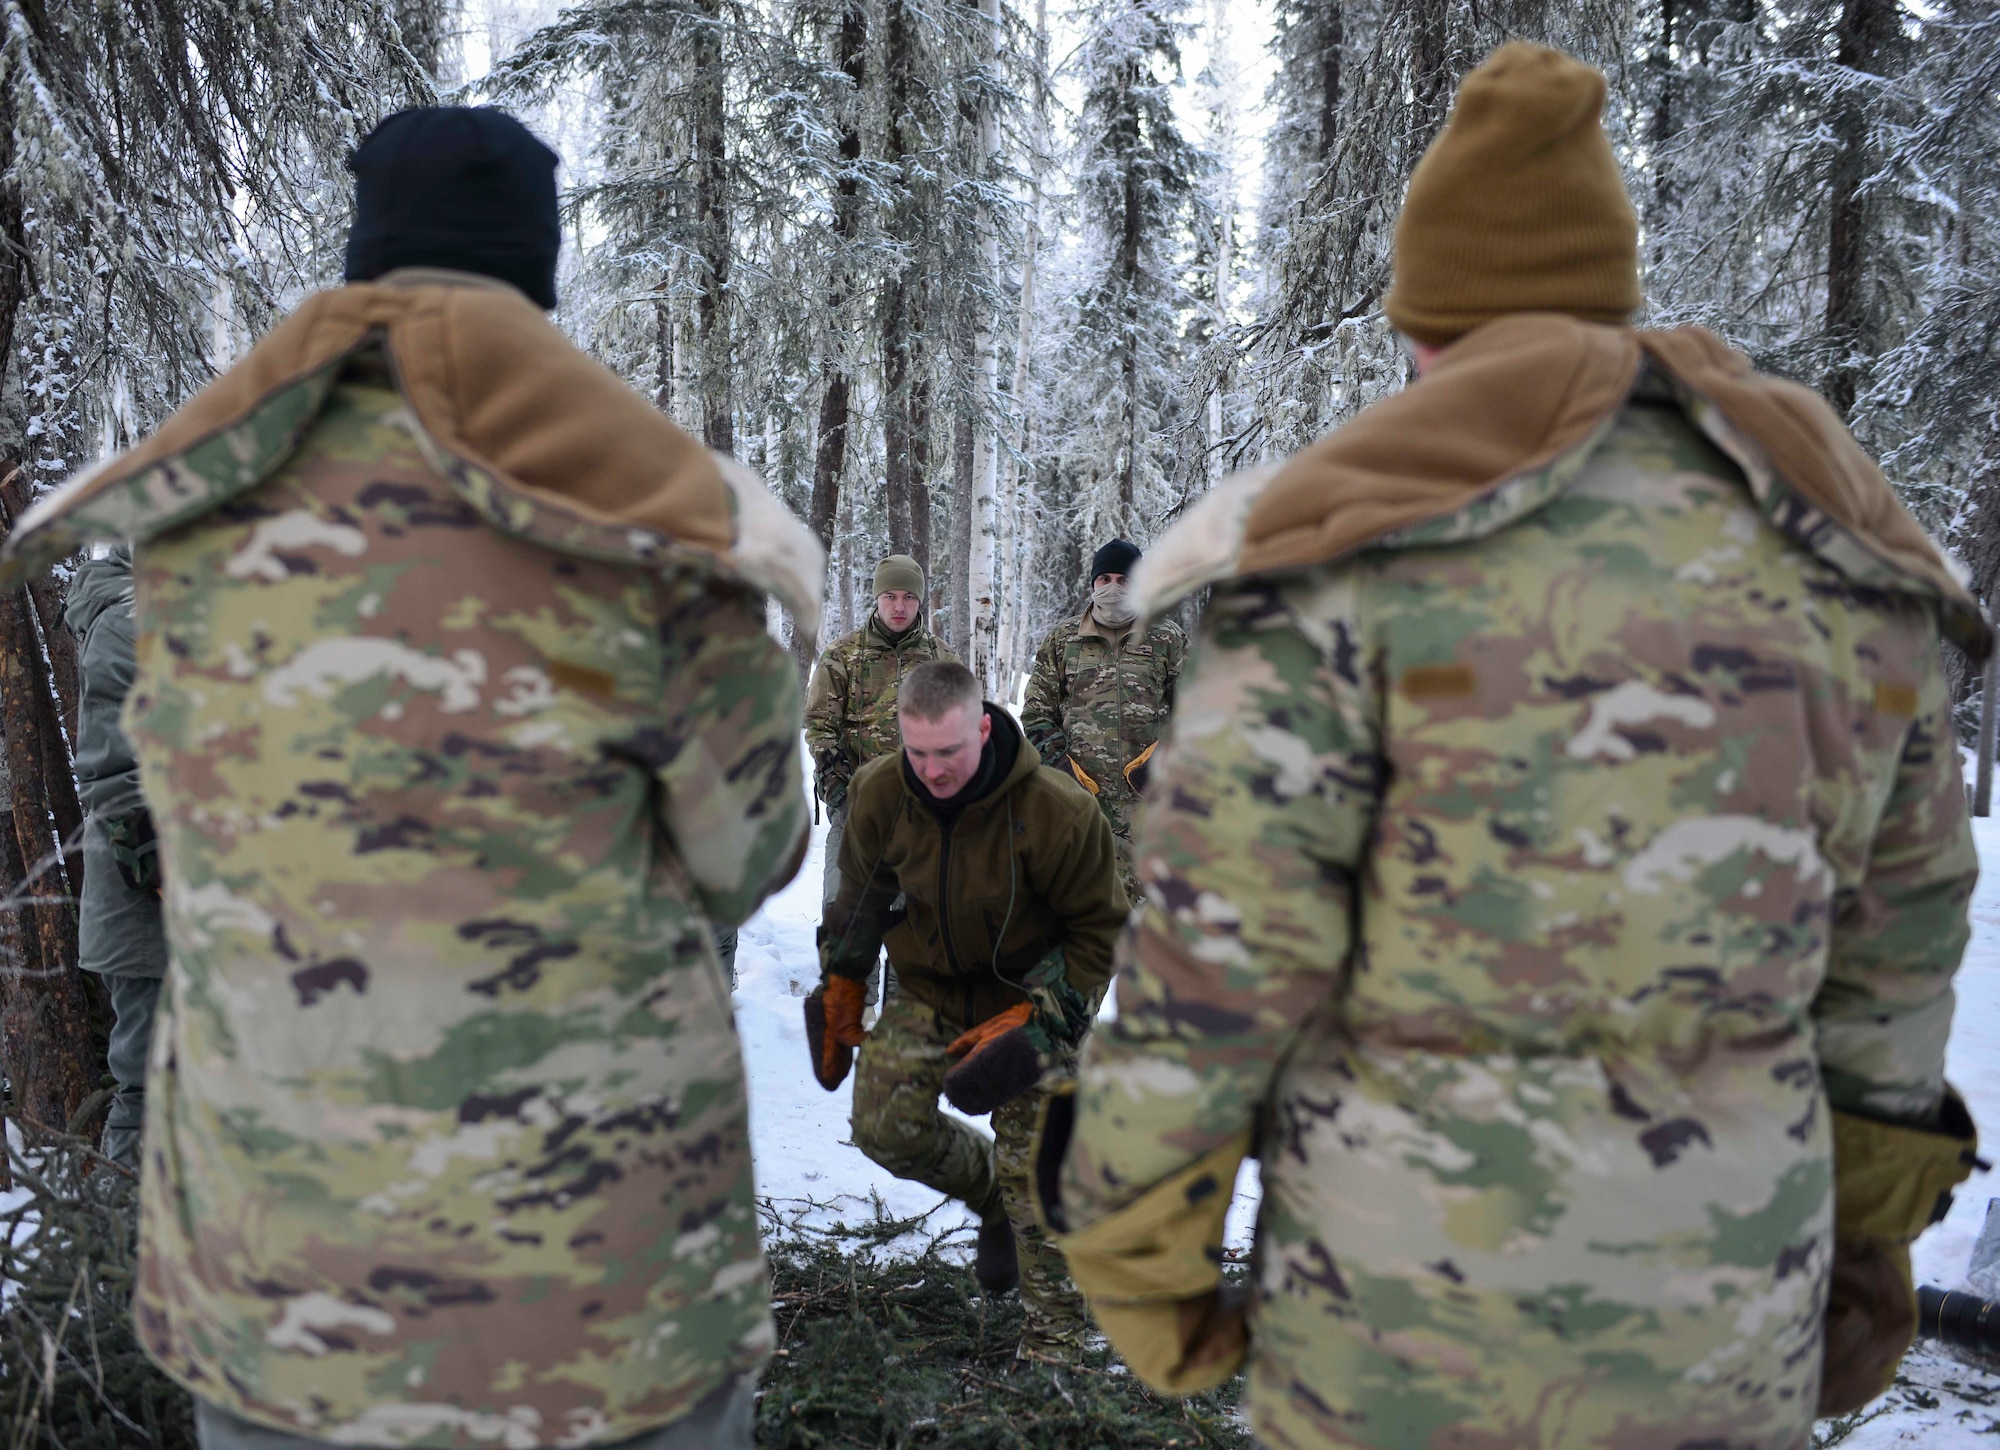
{"points": [[809, 1168]]}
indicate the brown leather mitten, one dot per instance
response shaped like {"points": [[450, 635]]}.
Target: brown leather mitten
{"points": [[833, 1028]]}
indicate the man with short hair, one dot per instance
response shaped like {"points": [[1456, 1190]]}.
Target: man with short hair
{"points": [[851, 703], [1555, 875], [1011, 900], [461, 731], [1101, 692]]}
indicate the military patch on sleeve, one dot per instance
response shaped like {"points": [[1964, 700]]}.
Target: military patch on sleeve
{"points": [[1898, 700], [1439, 682], [583, 679]]}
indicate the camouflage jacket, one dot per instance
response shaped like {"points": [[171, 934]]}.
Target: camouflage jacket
{"points": [[1101, 698], [119, 931], [851, 703], [1531, 882], [446, 1142]]}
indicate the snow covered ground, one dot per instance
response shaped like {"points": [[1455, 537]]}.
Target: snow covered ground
{"points": [[810, 1170]]}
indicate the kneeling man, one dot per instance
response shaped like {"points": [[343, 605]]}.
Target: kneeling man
{"points": [[1011, 901]]}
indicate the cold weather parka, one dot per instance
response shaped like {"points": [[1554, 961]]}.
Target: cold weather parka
{"points": [[1558, 857], [462, 732], [851, 702], [1026, 870]]}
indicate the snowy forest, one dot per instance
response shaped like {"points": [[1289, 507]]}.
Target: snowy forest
{"points": [[989, 283]]}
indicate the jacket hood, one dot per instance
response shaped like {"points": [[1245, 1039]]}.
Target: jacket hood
{"points": [[97, 585], [543, 442], [1501, 423]]}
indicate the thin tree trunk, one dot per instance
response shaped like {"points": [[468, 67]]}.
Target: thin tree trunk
{"points": [[982, 529], [50, 1047], [712, 221], [1866, 30], [920, 466], [1021, 492], [1989, 722], [899, 430], [835, 406]]}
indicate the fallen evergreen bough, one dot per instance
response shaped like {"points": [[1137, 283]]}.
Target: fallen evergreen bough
{"points": [[72, 1374], [885, 1340]]}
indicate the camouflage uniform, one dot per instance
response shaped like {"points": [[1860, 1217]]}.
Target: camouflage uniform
{"points": [[119, 931], [448, 1142], [1531, 882], [1101, 696], [896, 1122]]}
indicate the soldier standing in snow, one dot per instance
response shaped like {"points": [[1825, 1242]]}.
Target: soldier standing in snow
{"points": [[851, 703], [1011, 901], [1555, 874], [1101, 692], [460, 728], [119, 932]]}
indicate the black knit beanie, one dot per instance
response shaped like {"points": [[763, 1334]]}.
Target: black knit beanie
{"points": [[456, 186], [1116, 557]]}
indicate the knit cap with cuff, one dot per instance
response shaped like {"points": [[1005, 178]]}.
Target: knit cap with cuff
{"points": [[1518, 205], [899, 572]]}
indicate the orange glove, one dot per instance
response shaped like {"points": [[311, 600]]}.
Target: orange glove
{"points": [[833, 1028], [1082, 776], [970, 1041], [1140, 768]]}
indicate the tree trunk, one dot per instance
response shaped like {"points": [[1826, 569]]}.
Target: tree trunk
{"points": [[899, 463], [713, 227], [1867, 29], [835, 406], [920, 465], [1989, 723], [982, 528], [1014, 644], [50, 1047], [1333, 42]]}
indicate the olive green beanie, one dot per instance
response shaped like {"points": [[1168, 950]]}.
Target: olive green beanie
{"points": [[899, 571], [1518, 205]]}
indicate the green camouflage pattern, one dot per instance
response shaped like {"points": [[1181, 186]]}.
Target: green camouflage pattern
{"points": [[896, 1121], [447, 1141], [1101, 697], [851, 702], [1534, 891]]}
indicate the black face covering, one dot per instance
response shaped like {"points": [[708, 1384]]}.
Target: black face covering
{"points": [[464, 187]]}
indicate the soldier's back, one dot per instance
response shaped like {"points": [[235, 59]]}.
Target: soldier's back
{"points": [[452, 1101], [1562, 1152]]}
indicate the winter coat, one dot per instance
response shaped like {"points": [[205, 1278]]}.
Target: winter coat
{"points": [[1102, 696], [462, 732], [119, 931], [851, 703], [1561, 817], [1024, 871]]}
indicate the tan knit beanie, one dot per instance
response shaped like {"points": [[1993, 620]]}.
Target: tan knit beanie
{"points": [[899, 571], [1517, 206]]}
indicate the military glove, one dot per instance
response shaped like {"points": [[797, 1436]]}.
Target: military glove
{"points": [[135, 850], [998, 1061], [1151, 1270], [1140, 769], [833, 1028], [1082, 776], [1890, 1183]]}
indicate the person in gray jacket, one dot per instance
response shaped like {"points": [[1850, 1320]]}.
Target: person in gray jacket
{"points": [[120, 934]]}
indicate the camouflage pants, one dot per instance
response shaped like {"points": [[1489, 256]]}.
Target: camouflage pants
{"points": [[1123, 812], [898, 1124]]}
